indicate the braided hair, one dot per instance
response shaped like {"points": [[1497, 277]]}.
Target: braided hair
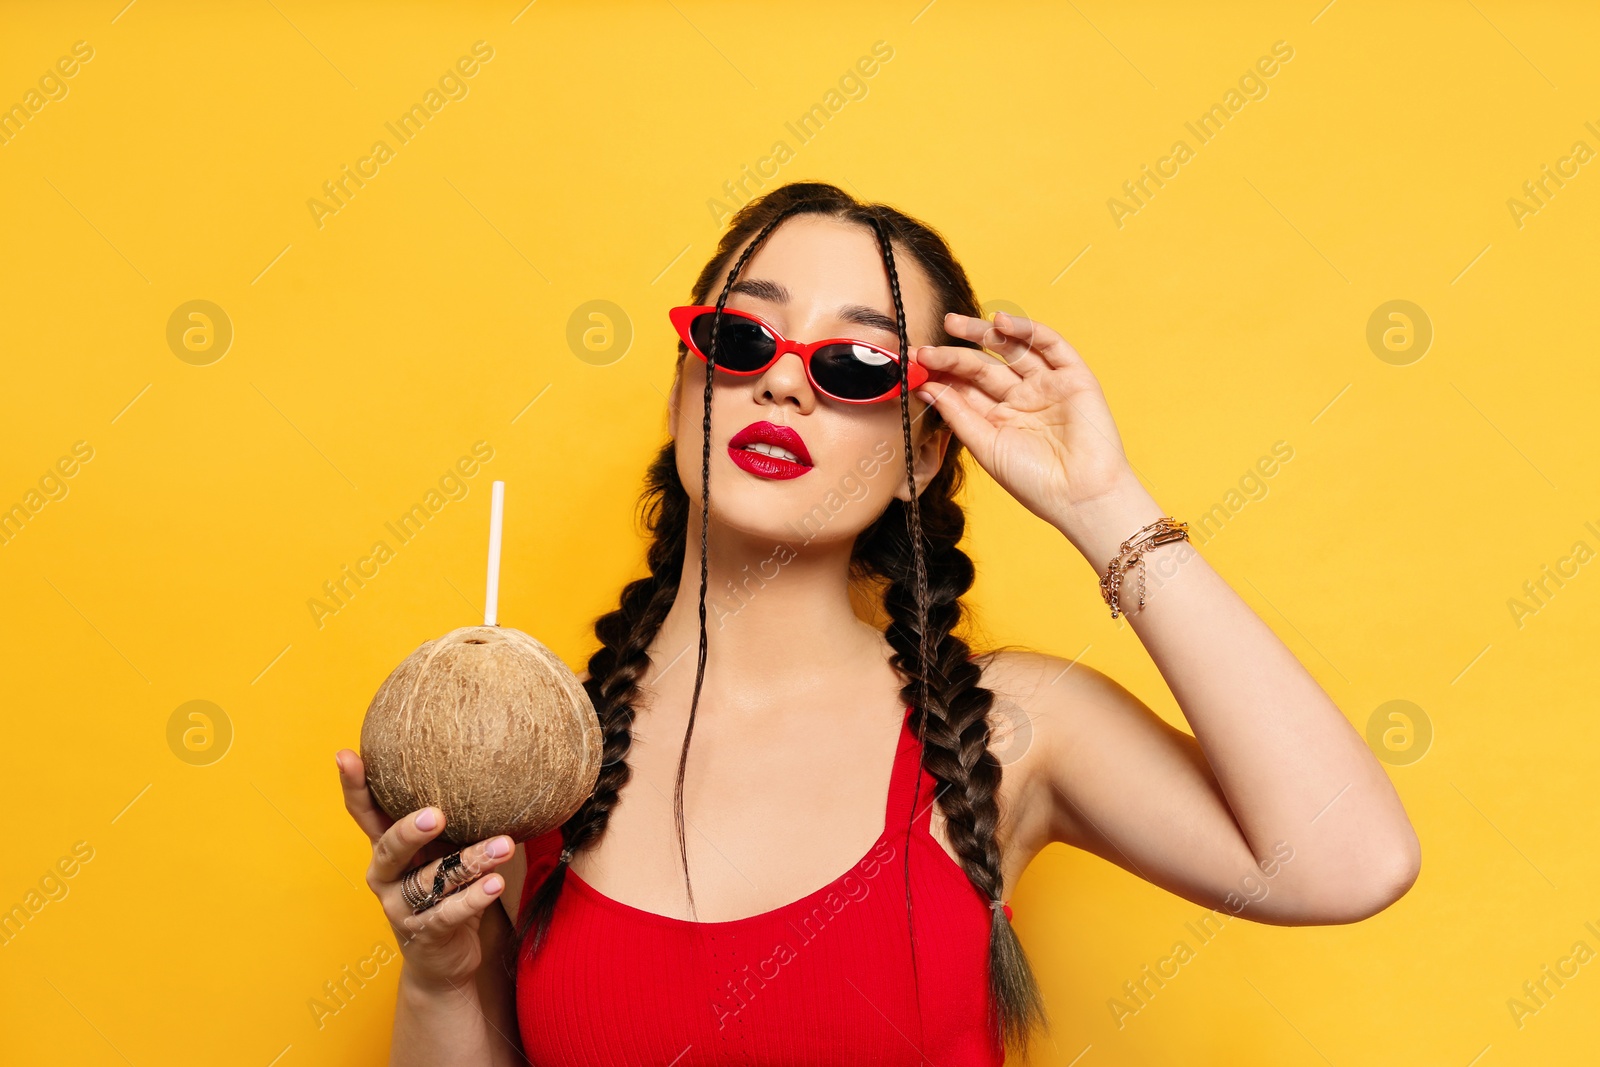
{"points": [[910, 555]]}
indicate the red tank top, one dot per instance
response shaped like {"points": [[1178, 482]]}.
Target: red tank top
{"points": [[825, 979]]}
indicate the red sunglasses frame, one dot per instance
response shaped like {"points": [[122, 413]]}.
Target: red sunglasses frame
{"points": [[916, 374]]}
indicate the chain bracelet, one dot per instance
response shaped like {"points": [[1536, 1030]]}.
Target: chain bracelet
{"points": [[1130, 554]]}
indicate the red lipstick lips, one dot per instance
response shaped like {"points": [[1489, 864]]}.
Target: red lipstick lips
{"points": [[773, 438]]}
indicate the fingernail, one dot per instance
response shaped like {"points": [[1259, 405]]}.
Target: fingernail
{"points": [[339, 762], [427, 819], [492, 885], [498, 847]]}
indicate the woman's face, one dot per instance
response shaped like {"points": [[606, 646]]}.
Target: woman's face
{"points": [[812, 278]]}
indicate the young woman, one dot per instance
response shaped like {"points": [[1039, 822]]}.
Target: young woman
{"points": [[805, 529]]}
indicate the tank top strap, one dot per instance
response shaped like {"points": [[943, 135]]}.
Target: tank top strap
{"points": [[908, 780]]}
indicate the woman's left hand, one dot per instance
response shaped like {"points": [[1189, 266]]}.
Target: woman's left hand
{"points": [[1037, 422]]}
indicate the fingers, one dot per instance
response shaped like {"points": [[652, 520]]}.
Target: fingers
{"points": [[357, 797], [969, 426], [466, 880], [396, 850], [978, 401], [1015, 335], [1019, 357], [444, 917], [1039, 337], [969, 328], [476, 860], [970, 365]]}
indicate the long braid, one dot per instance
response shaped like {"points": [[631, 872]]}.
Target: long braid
{"points": [[705, 515], [918, 562], [955, 723]]}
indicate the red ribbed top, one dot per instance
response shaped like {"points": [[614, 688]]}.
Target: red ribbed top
{"points": [[823, 980]]}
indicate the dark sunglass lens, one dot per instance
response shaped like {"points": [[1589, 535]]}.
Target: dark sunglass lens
{"points": [[855, 372], [741, 343]]}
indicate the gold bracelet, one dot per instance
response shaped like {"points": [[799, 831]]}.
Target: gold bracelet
{"points": [[1131, 554]]}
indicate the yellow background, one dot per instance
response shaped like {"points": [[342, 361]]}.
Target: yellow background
{"points": [[368, 354]]}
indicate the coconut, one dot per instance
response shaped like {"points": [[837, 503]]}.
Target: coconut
{"points": [[489, 726]]}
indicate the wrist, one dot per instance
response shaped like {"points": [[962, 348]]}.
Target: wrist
{"points": [[1097, 527], [419, 988]]}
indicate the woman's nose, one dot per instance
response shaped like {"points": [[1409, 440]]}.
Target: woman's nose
{"points": [[786, 379]]}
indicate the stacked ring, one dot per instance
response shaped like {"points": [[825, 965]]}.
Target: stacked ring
{"points": [[411, 890], [451, 871], [447, 870]]}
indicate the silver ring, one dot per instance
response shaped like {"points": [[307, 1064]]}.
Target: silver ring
{"points": [[415, 897]]}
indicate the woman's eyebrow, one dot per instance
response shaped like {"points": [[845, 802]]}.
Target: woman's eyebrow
{"points": [[860, 314]]}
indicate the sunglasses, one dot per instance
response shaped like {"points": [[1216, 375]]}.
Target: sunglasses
{"points": [[854, 372]]}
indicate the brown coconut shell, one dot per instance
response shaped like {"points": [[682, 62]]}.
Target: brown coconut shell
{"points": [[489, 726]]}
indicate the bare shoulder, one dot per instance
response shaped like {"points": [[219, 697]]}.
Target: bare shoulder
{"points": [[1044, 694], [515, 869], [1052, 715], [1040, 696]]}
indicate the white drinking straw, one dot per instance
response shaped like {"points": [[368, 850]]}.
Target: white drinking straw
{"points": [[491, 598]]}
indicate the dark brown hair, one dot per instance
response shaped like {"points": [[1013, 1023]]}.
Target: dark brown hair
{"points": [[910, 553]]}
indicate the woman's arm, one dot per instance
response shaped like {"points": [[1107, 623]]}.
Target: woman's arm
{"points": [[473, 1025], [1275, 776], [455, 1003], [1275, 808]]}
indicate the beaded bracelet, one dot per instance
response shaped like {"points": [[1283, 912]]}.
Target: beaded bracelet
{"points": [[1131, 554]]}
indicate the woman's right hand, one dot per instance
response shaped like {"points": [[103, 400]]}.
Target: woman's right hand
{"points": [[440, 945]]}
